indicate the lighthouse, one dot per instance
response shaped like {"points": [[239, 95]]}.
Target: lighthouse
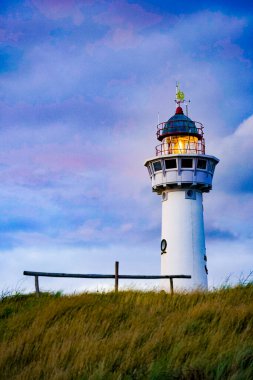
{"points": [[180, 173]]}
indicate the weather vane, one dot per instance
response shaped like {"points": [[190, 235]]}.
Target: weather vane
{"points": [[179, 95], [180, 98]]}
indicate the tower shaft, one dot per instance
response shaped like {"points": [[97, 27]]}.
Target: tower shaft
{"points": [[183, 230]]}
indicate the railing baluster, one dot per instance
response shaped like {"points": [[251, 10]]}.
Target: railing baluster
{"points": [[171, 286], [116, 276], [37, 289]]}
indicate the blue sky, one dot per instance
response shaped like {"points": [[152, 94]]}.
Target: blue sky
{"points": [[81, 85]]}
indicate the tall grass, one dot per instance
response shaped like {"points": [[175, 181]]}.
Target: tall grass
{"points": [[129, 335]]}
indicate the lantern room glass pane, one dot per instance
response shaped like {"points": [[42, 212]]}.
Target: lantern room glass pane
{"points": [[180, 145]]}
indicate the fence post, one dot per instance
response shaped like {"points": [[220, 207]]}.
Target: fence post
{"points": [[37, 289], [171, 286], [116, 276]]}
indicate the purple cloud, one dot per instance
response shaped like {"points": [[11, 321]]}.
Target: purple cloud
{"points": [[78, 115], [59, 9]]}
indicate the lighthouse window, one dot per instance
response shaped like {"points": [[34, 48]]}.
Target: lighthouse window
{"points": [[171, 164], [149, 170], [211, 166], [190, 194], [157, 166], [201, 164], [186, 163]]}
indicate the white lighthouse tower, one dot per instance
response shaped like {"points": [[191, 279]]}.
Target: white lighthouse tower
{"points": [[181, 172]]}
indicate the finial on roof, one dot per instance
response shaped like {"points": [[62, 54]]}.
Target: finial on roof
{"points": [[179, 111]]}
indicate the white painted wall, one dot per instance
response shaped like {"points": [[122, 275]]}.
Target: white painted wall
{"points": [[183, 229]]}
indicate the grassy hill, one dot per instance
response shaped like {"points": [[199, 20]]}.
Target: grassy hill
{"points": [[129, 335]]}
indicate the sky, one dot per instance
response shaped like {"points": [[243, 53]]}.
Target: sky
{"points": [[82, 83]]}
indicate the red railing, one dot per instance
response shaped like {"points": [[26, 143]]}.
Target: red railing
{"points": [[170, 125]]}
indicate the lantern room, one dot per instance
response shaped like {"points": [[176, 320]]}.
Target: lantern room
{"points": [[180, 135]]}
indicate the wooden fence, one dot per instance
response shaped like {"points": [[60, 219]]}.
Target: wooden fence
{"points": [[116, 276]]}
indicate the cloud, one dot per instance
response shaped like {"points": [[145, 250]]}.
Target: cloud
{"points": [[228, 209], [64, 259], [121, 13], [8, 36], [236, 153], [218, 234], [78, 115], [229, 261], [58, 9]]}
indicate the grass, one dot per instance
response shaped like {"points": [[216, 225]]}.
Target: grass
{"points": [[129, 335]]}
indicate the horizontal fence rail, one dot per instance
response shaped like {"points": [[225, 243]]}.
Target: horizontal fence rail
{"points": [[115, 276], [125, 276]]}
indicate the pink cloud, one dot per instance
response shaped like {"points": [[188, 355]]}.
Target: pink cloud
{"points": [[125, 21], [9, 36], [122, 14], [57, 9], [230, 50]]}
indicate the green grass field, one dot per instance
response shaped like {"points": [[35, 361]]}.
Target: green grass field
{"points": [[129, 335]]}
